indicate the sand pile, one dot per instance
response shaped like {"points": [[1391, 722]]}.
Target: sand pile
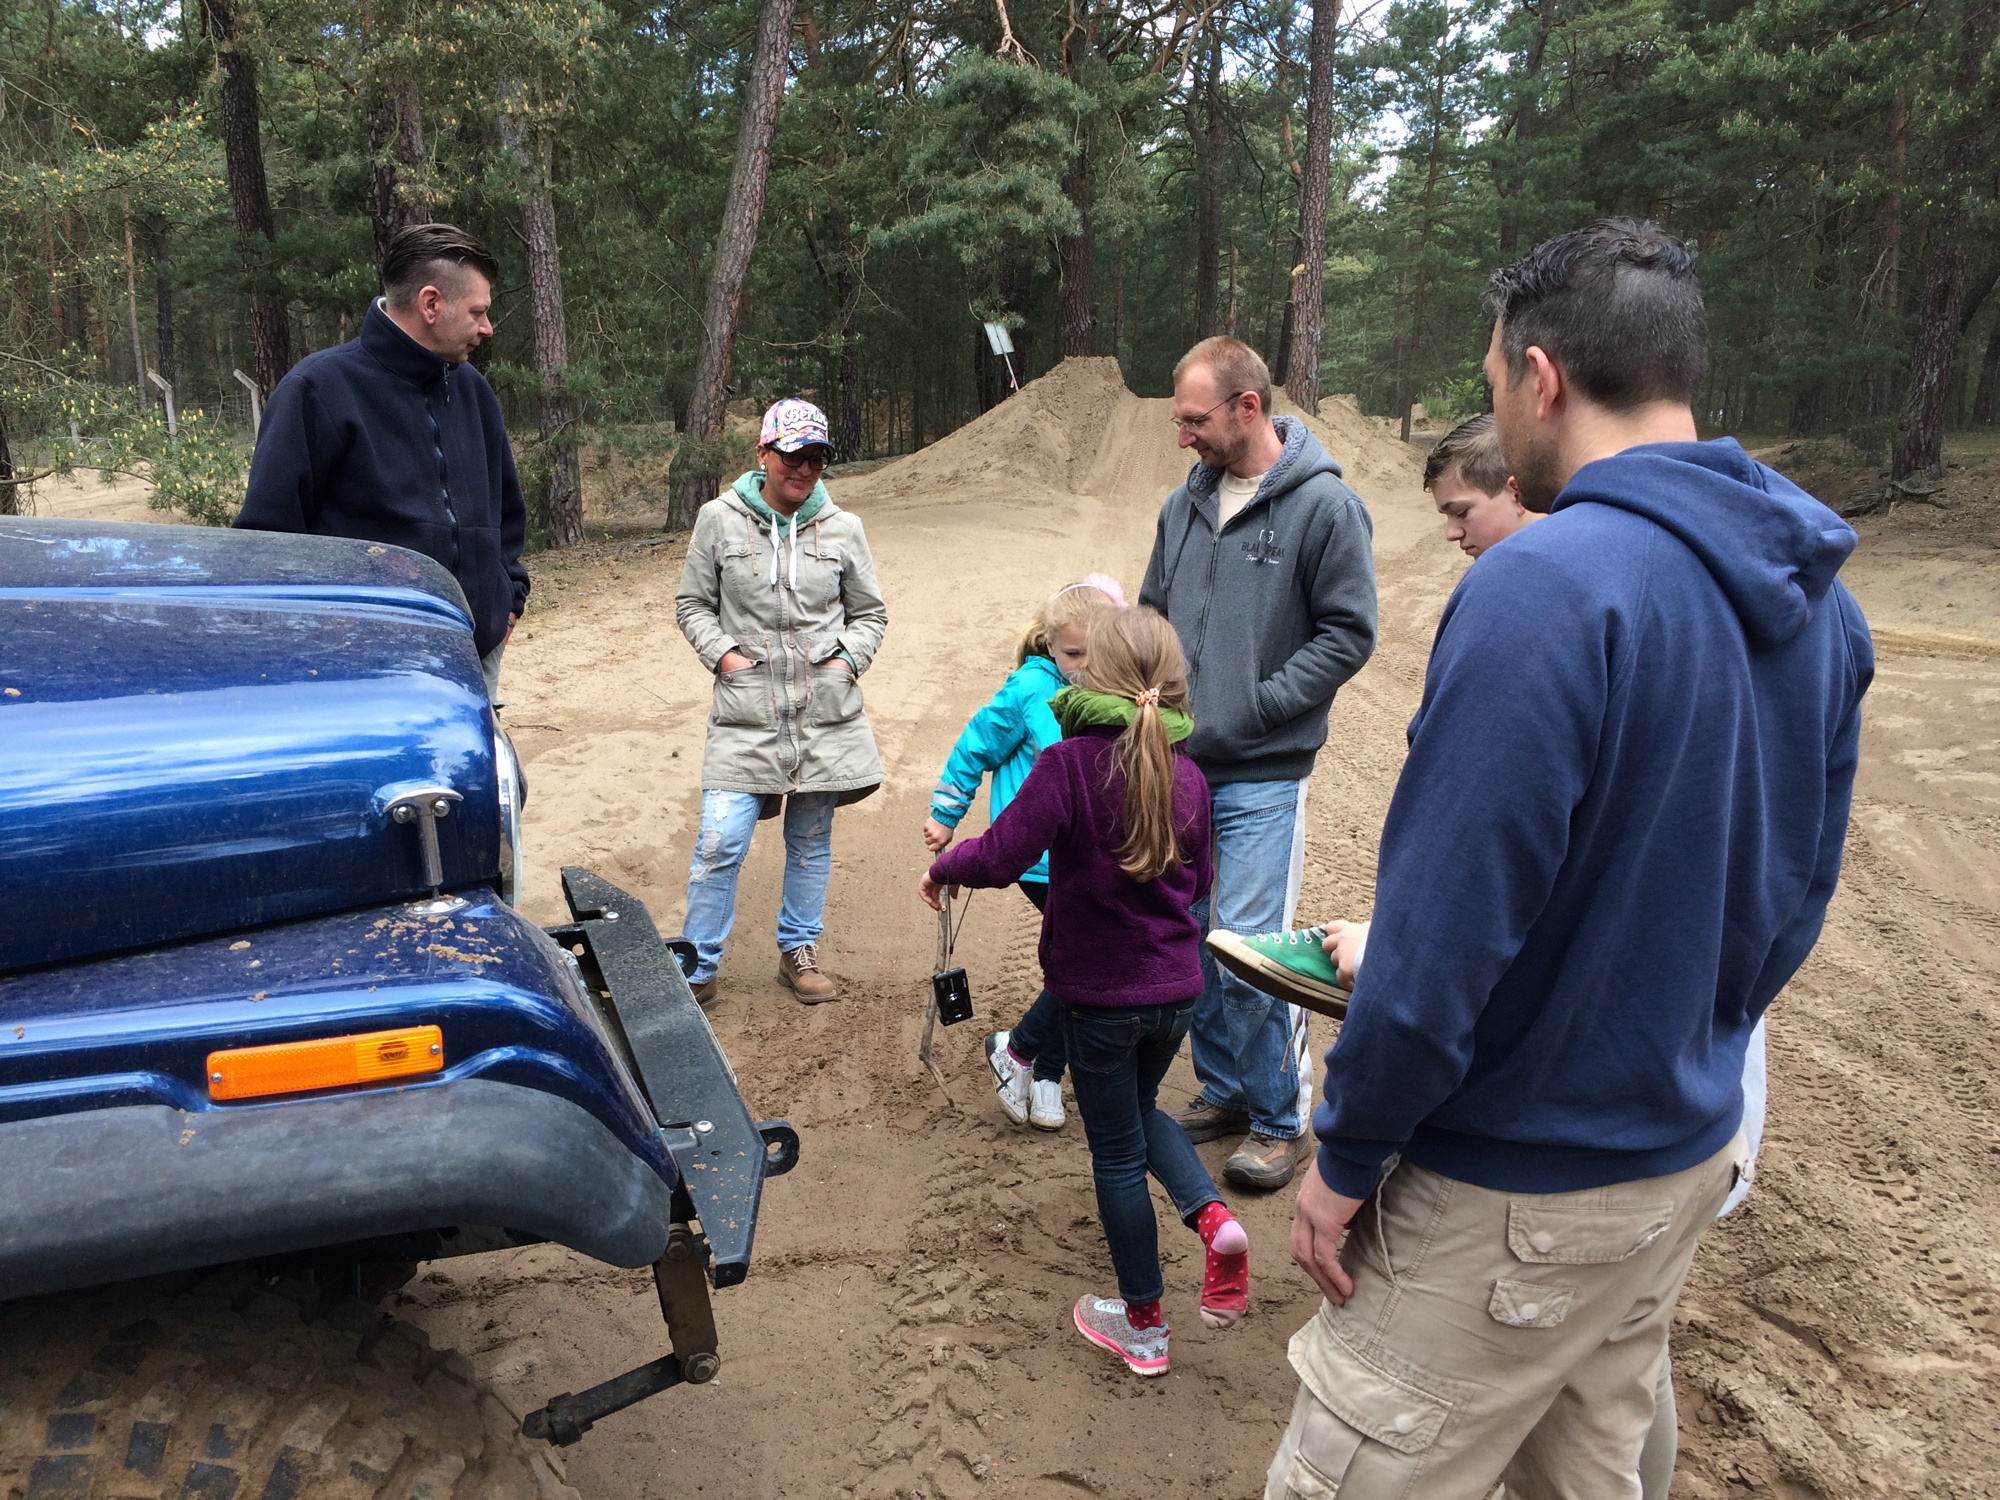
{"points": [[1367, 448], [1044, 436], [1050, 434]]}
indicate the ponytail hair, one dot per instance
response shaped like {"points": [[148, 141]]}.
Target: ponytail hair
{"points": [[1135, 654]]}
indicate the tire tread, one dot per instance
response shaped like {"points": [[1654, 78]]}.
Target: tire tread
{"points": [[217, 1387]]}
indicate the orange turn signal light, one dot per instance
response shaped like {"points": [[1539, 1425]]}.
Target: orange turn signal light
{"points": [[333, 1062]]}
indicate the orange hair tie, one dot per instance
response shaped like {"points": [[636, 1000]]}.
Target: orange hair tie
{"points": [[1150, 698]]}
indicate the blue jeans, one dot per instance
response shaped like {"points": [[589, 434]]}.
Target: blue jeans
{"points": [[727, 821], [1117, 1057], [1038, 1035], [1250, 1049]]}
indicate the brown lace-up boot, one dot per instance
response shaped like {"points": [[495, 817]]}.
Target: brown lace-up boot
{"points": [[800, 970]]}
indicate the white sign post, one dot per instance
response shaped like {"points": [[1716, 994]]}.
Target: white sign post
{"points": [[166, 394], [256, 403], [1002, 344]]}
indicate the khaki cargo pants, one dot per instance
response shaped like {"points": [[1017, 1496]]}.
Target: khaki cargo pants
{"points": [[1494, 1336]]}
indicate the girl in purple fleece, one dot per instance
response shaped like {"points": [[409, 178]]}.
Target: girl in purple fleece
{"points": [[1124, 817]]}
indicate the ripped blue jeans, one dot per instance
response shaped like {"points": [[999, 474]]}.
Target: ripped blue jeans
{"points": [[727, 821]]}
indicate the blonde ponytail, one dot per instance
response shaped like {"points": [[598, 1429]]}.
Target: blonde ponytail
{"points": [[1135, 654]]}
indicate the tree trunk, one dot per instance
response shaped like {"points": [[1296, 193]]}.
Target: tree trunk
{"points": [[1892, 211], [76, 302], [249, 192], [396, 189], [848, 440], [1073, 334], [1287, 324], [1207, 122], [1074, 314], [696, 473], [132, 316], [1809, 403], [1302, 370], [163, 302], [1918, 444], [1017, 286], [10, 503], [1986, 402], [1526, 124], [563, 497]]}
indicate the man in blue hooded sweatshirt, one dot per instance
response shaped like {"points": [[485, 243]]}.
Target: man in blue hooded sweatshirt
{"points": [[1612, 843]]}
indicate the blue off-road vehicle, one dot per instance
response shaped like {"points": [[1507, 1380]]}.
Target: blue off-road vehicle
{"points": [[272, 1035]]}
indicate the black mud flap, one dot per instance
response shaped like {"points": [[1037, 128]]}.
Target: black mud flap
{"points": [[722, 1153]]}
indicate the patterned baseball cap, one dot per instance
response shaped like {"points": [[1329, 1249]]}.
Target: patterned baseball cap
{"points": [[792, 424]]}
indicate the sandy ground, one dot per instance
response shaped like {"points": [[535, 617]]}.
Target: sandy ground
{"points": [[85, 497], [905, 1329]]}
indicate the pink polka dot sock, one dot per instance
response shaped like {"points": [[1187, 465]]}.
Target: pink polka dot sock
{"points": [[1225, 1279]]}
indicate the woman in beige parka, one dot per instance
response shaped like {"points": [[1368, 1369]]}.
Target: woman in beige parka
{"points": [[779, 600]]}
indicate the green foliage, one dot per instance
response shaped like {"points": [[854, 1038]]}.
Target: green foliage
{"points": [[921, 184], [197, 472], [984, 168]]}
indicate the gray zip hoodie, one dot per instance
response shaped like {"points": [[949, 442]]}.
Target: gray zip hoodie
{"points": [[1275, 612]]}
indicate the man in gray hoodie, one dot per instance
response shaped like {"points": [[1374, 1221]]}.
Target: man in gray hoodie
{"points": [[1263, 562]]}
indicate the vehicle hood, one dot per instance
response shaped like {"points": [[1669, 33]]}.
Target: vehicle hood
{"points": [[200, 730]]}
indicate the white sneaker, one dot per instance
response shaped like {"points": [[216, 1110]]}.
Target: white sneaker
{"points": [[1010, 1079], [1046, 1112]]}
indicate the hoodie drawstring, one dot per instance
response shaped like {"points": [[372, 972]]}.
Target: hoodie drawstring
{"points": [[793, 575]]}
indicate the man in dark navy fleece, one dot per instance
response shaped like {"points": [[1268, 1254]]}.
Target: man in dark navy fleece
{"points": [[1612, 844], [393, 437]]}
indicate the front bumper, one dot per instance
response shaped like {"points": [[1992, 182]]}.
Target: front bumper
{"points": [[104, 1194], [568, 1117]]}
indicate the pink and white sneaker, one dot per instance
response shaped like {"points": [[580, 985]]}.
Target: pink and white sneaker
{"points": [[1102, 1320]]}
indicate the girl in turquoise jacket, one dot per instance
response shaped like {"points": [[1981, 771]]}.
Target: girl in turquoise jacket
{"points": [[1001, 741]]}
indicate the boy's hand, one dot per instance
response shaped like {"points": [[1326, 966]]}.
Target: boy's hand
{"points": [[1345, 943], [931, 892], [936, 835], [1318, 1221]]}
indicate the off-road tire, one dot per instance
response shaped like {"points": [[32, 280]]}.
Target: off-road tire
{"points": [[224, 1387]]}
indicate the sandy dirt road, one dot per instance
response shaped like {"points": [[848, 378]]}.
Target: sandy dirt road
{"points": [[905, 1329]]}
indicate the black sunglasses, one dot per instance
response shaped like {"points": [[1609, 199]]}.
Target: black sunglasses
{"points": [[810, 458]]}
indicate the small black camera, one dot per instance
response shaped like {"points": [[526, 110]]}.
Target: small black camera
{"points": [[953, 995]]}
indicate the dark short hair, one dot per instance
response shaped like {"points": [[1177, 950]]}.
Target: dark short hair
{"points": [[1615, 304], [1471, 450], [408, 264], [1237, 368]]}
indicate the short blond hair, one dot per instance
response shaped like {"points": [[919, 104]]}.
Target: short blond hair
{"points": [[1079, 604], [1237, 368]]}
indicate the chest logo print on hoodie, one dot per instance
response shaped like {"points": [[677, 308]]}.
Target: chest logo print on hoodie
{"points": [[1264, 549]]}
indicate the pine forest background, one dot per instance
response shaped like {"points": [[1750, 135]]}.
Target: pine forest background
{"points": [[201, 190]]}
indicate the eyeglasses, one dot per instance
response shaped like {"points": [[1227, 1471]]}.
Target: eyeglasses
{"points": [[1188, 424], [814, 458]]}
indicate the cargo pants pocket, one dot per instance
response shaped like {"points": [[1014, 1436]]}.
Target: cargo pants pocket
{"points": [[1363, 1426]]}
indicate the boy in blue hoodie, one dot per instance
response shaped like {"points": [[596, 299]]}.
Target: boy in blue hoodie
{"points": [[1535, 1108]]}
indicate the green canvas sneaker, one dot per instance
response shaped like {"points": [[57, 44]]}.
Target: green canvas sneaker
{"points": [[1290, 965]]}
